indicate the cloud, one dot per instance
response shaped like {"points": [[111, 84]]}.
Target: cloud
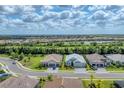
{"points": [[99, 15], [64, 15], [61, 17], [46, 8], [7, 9], [31, 17], [104, 7], [49, 15]]}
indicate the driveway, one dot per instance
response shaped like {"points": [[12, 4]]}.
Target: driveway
{"points": [[50, 70], [101, 70], [80, 70]]}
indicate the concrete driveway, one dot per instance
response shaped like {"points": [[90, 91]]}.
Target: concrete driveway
{"points": [[80, 70], [51, 70], [101, 70]]}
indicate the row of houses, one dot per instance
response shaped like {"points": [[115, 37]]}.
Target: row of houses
{"points": [[54, 60], [78, 61]]}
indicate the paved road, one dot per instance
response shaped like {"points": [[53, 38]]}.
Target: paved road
{"points": [[19, 70]]}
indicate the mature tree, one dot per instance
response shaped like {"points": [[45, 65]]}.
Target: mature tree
{"points": [[21, 56], [99, 84], [92, 84]]}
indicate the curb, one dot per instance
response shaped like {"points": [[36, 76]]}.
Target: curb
{"points": [[7, 70]]}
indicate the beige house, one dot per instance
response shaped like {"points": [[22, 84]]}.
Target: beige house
{"points": [[52, 60], [96, 60], [19, 82]]}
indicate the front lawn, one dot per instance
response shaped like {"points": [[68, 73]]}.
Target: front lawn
{"points": [[103, 83], [34, 62], [4, 55], [119, 69]]}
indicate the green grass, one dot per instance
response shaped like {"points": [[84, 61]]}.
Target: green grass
{"points": [[104, 83], [2, 71], [4, 78], [33, 63], [4, 55], [120, 69]]}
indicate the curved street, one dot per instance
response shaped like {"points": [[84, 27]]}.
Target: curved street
{"points": [[20, 70]]}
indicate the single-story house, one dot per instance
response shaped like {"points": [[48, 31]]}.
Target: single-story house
{"points": [[119, 83], [52, 60], [96, 60], [59, 82], [116, 58], [19, 82], [75, 60]]}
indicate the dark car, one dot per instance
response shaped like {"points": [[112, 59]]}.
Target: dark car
{"points": [[13, 62]]}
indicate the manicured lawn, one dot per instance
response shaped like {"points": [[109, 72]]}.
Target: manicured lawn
{"points": [[104, 83], [120, 69], [3, 55], [33, 63]]}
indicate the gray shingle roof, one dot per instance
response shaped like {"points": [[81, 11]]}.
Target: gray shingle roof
{"points": [[120, 83], [116, 57], [76, 57]]}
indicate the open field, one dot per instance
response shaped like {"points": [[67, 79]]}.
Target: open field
{"points": [[56, 38]]}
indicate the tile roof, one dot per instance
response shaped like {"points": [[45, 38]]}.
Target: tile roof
{"points": [[19, 82], [59, 82], [53, 57], [120, 83], [95, 58]]}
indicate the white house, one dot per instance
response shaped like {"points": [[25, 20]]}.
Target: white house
{"points": [[75, 60], [116, 58]]}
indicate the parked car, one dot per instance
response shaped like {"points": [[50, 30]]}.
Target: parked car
{"points": [[13, 62], [4, 74]]}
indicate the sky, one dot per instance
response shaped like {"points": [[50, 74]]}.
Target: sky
{"points": [[61, 19]]}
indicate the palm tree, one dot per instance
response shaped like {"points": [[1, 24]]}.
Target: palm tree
{"points": [[92, 84], [99, 83]]}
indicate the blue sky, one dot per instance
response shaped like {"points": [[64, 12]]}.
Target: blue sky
{"points": [[75, 19]]}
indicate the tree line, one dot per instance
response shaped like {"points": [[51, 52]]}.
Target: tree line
{"points": [[63, 50]]}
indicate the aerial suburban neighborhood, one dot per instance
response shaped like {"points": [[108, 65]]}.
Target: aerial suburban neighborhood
{"points": [[61, 46], [62, 65]]}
